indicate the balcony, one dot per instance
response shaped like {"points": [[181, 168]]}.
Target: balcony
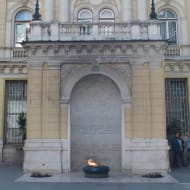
{"points": [[19, 53], [172, 51], [102, 31], [40, 31]]}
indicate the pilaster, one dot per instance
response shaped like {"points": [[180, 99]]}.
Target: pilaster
{"points": [[34, 109], [139, 104], [49, 11], [1, 115], [64, 10], [2, 23], [126, 10], [2, 91], [141, 10], [64, 120], [43, 103], [128, 128], [157, 97]]}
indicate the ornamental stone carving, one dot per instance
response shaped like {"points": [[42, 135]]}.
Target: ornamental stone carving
{"points": [[177, 67], [13, 69], [124, 70], [103, 49], [119, 73]]}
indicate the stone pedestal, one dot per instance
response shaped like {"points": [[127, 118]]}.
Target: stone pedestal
{"points": [[146, 155], [46, 156]]}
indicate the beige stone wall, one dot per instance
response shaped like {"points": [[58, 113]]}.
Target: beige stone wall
{"points": [[64, 121], [43, 104], [42, 8], [2, 88], [158, 114], [2, 22], [134, 9], [128, 121], [34, 104], [188, 83], [148, 115], [57, 12], [187, 13], [138, 98], [144, 118], [148, 7]]}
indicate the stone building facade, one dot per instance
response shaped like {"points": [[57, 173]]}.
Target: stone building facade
{"points": [[95, 74]]}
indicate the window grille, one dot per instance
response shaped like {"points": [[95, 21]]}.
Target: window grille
{"points": [[177, 104], [15, 103]]}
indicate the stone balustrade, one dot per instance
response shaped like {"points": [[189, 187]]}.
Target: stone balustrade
{"points": [[13, 54], [172, 51], [19, 53], [40, 31]]}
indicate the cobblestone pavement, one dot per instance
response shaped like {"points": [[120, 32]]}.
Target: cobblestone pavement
{"points": [[12, 178]]}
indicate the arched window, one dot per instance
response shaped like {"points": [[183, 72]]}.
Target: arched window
{"points": [[107, 15], [85, 19], [168, 27], [84, 15], [22, 20]]}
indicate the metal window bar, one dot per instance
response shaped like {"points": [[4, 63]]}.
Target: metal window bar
{"points": [[177, 104], [15, 103]]}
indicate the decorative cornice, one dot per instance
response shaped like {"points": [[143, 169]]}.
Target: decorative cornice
{"points": [[75, 49], [177, 67], [13, 69]]}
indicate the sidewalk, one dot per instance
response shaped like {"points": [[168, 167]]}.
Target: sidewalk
{"points": [[78, 177], [12, 178]]}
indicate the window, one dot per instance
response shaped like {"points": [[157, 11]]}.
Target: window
{"points": [[177, 104], [85, 15], [107, 15], [15, 103], [85, 20], [22, 21], [168, 27]]}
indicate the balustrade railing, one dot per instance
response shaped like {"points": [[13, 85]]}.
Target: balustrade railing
{"points": [[172, 51], [40, 31], [19, 53]]}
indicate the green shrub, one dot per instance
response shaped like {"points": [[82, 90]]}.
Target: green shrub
{"points": [[21, 121]]}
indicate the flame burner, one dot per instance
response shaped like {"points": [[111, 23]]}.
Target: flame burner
{"points": [[95, 171]]}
